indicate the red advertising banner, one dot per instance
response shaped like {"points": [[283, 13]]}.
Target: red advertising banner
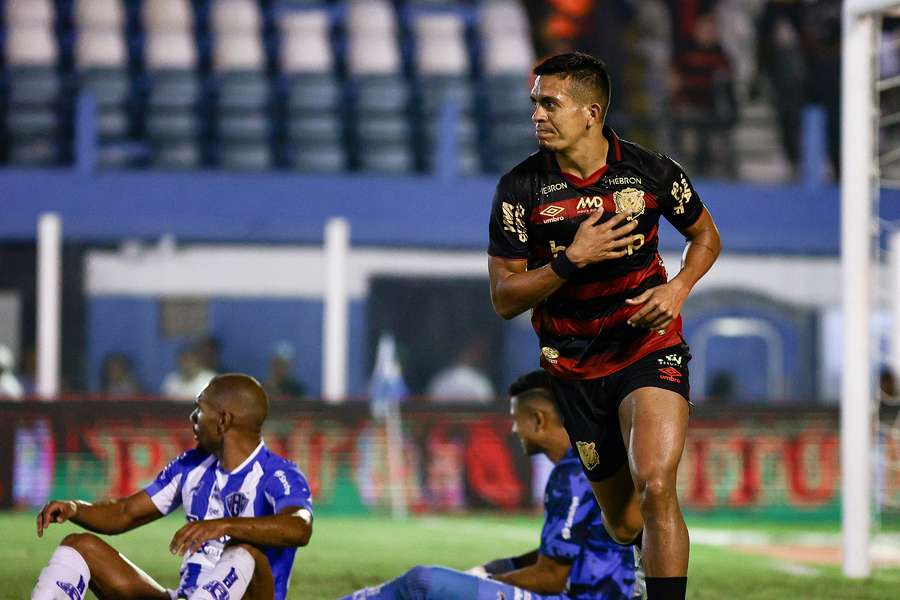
{"points": [[777, 464]]}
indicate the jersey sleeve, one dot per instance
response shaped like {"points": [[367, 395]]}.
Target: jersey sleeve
{"points": [[165, 490], [287, 487], [570, 510], [508, 231], [678, 200]]}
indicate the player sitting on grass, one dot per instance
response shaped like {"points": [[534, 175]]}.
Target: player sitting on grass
{"points": [[247, 511], [576, 560]]}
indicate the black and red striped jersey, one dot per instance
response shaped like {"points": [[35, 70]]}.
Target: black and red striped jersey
{"points": [[536, 211]]}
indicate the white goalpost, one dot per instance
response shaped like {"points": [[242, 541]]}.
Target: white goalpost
{"points": [[859, 234]]}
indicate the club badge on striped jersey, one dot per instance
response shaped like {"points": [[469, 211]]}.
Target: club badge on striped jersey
{"points": [[551, 354], [588, 453], [630, 200], [235, 503]]}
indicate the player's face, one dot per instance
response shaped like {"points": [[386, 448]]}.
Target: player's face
{"points": [[559, 119], [523, 426], [205, 423]]}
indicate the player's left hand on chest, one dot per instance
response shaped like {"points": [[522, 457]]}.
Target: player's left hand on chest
{"points": [[660, 305]]}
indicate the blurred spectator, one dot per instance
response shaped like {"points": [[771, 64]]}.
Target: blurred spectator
{"points": [[9, 385], [888, 401], [209, 350], [704, 107], [463, 381], [798, 52], [189, 379], [117, 376], [603, 28], [720, 389], [281, 381]]}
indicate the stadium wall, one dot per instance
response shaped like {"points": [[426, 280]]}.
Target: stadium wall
{"points": [[404, 211]]}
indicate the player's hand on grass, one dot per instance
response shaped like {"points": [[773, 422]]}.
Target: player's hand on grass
{"points": [[596, 242], [661, 306], [55, 511], [191, 537]]}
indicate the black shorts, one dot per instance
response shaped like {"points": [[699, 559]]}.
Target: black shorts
{"points": [[590, 407]]}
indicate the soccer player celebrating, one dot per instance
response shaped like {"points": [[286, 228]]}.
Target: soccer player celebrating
{"points": [[574, 236], [247, 510], [576, 559]]}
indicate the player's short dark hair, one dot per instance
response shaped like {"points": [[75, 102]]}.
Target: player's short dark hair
{"points": [[588, 72], [534, 381]]}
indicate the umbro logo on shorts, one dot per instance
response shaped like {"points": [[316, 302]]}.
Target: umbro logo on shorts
{"points": [[671, 374]]}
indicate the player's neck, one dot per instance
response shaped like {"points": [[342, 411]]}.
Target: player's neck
{"points": [[584, 159], [233, 453], [557, 449]]}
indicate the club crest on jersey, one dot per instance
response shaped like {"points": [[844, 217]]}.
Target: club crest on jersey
{"points": [[588, 453], [235, 503], [550, 354], [630, 200]]}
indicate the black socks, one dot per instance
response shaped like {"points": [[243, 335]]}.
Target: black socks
{"points": [[666, 588]]}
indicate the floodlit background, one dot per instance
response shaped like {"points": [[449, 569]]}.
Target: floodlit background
{"points": [[275, 186]]}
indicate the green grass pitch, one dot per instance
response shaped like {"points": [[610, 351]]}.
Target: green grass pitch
{"points": [[350, 552]]}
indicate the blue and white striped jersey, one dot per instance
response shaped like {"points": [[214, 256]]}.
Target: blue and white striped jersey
{"points": [[263, 485]]}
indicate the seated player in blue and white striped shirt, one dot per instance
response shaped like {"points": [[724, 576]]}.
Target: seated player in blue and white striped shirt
{"points": [[247, 510]]}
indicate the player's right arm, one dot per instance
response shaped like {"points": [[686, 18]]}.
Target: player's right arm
{"points": [[110, 517], [514, 289]]}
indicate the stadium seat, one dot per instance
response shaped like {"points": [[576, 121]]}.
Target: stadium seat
{"points": [[99, 15], [319, 158], [164, 125], [383, 130], [319, 128], [314, 91], [243, 126], [305, 42], [380, 93], [33, 152], [31, 122], [440, 44], [246, 157], [389, 159], [34, 86], [185, 155], [29, 13], [504, 56], [171, 61], [371, 17], [499, 18], [167, 16], [173, 93], [443, 70], [101, 58], [235, 17], [240, 68], [31, 55], [507, 57]]}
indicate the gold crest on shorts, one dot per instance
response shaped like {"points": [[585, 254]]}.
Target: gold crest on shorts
{"points": [[630, 200], [588, 453]]}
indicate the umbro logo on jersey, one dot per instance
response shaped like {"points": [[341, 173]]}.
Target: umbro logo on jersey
{"points": [[552, 210]]}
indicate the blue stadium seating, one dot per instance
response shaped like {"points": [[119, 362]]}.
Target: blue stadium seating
{"points": [[177, 83]]}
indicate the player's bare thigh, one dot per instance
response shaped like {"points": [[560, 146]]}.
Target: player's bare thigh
{"points": [[654, 425], [654, 449], [112, 575]]}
